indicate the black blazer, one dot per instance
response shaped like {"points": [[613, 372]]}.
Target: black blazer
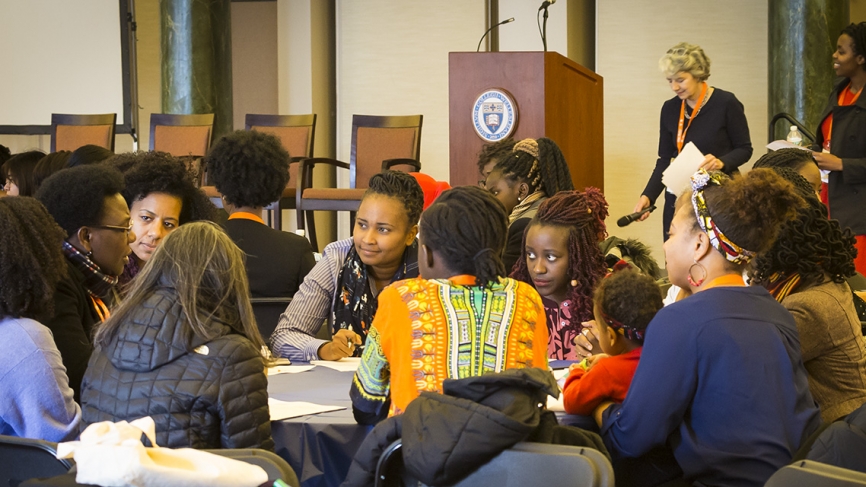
{"points": [[277, 262], [848, 142]]}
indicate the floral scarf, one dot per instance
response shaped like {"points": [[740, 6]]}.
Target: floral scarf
{"points": [[356, 305]]}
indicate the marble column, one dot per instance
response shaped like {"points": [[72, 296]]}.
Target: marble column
{"points": [[197, 59], [802, 39]]}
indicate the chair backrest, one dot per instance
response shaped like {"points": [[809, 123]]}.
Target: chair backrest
{"points": [[69, 131], [181, 135], [523, 464], [267, 312], [377, 138], [271, 463], [297, 133], [24, 458], [815, 474]]}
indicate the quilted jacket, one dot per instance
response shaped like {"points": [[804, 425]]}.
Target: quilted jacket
{"points": [[200, 394]]}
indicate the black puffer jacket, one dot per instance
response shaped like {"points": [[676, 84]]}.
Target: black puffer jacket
{"points": [[448, 436], [213, 397]]}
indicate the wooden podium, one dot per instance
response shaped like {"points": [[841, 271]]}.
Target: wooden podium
{"points": [[555, 97]]}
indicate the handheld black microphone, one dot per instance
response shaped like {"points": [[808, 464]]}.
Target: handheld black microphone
{"points": [[634, 216], [546, 3], [506, 21]]}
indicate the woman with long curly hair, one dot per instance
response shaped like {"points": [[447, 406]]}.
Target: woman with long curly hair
{"points": [[562, 259], [805, 270], [37, 401]]}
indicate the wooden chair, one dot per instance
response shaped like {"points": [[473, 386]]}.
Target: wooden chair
{"points": [[377, 142], [184, 136], [69, 132]]}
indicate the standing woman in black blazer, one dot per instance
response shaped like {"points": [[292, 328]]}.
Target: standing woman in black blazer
{"points": [[710, 117], [841, 144]]}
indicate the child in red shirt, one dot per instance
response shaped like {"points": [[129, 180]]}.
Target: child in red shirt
{"points": [[624, 304]]}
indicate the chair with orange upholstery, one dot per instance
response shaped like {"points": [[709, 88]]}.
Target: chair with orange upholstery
{"points": [[69, 132], [377, 142], [185, 136]]}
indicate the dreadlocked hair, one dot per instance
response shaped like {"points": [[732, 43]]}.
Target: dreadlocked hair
{"points": [[857, 32], [467, 227], [810, 244], [790, 158], [549, 172], [31, 262], [494, 152], [583, 213], [403, 187]]}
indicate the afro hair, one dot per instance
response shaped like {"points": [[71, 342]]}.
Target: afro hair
{"points": [[160, 172], [249, 168], [75, 197]]}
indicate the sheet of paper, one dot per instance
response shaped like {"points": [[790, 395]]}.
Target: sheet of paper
{"points": [[556, 405], [293, 409], [784, 144], [289, 369], [677, 177], [347, 364]]}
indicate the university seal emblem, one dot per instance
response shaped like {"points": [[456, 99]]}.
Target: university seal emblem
{"points": [[494, 115]]}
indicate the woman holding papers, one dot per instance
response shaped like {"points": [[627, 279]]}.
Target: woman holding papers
{"points": [[841, 142], [711, 118]]}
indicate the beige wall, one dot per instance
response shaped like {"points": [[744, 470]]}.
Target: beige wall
{"points": [[254, 60], [632, 36]]}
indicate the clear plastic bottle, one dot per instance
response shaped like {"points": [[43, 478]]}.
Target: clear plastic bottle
{"points": [[794, 136]]}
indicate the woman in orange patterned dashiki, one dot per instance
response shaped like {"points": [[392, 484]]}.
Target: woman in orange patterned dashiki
{"points": [[462, 318]]}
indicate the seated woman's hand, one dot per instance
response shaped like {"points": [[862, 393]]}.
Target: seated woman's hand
{"points": [[586, 343], [341, 345]]}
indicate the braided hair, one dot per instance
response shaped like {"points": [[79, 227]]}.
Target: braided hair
{"points": [[546, 170], [467, 227], [810, 244], [401, 186], [583, 213], [790, 158], [494, 152], [857, 33]]}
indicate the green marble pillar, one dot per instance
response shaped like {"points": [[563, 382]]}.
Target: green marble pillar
{"points": [[197, 59], [802, 39]]}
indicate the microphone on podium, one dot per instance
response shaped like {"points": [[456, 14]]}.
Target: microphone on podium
{"points": [[546, 4], [634, 216], [506, 21]]}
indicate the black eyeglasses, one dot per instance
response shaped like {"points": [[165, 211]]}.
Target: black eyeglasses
{"points": [[116, 228]]}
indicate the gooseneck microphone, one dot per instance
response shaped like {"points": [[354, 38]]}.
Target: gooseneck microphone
{"points": [[506, 21], [634, 216], [543, 31]]}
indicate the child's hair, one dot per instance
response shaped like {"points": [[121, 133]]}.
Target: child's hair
{"points": [[583, 213], [467, 227], [495, 152], [402, 186], [539, 164], [749, 209], [206, 270], [628, 300]]}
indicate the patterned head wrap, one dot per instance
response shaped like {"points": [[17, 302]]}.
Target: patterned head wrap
{"points": [[629, 332], [733, 252]]}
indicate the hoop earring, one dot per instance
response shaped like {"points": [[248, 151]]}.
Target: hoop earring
{"points": [[699, 281]]}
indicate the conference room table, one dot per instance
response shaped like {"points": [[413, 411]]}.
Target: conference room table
{"points": [[320, 447]]}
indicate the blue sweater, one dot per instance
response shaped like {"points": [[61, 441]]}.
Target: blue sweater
{"points": [[721, 382], [36, 401]]}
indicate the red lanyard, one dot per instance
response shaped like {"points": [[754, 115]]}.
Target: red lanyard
{"points": [[681, 134], [841, 103]]}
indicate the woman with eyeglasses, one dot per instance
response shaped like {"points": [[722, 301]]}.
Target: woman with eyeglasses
{"points": [[86, 202], [713, 119]]}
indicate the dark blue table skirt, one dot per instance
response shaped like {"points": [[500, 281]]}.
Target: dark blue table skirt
{"points": [[319, 447]]}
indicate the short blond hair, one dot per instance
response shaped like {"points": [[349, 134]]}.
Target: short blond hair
{"points": [[686, 57]]}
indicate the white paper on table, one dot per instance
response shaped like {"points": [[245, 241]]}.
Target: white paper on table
{"points": [[289, 369], [677, 177], [345, 364], [293, 409], [784, 144]]}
